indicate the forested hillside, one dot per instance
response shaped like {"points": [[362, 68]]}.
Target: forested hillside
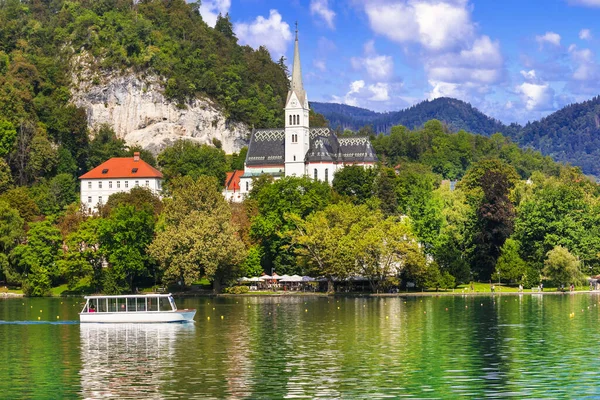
{"points": [[571, 134], [456, 114]]}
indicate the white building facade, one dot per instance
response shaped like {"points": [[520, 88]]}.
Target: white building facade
{"points": [[297, 149], [119, 174]]}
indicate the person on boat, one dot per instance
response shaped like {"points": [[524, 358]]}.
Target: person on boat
{"points": [[92, 308]]}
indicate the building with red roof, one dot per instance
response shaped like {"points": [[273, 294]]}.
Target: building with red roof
{"points": [[119, 174], [232, 186]]}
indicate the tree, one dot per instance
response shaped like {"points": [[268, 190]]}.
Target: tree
{"points": [[20, 199], [196, 237], [510, 265], [43, 157], [11, 231], [325, 239], [238, 159], [386, 247], [35, 261], [82, 256], [8, 136], [5, 176], [356, 182], [252, 265], [286, 196], [123, 238], [141, 198], [105, 145], [187, 158], [385, 190], [562, 267]]}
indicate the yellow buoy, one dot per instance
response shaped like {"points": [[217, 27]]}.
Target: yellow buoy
{"points": [[306, 310], [40, 310], [38, 318], [338, 308], [222, 317], [213, 308], [208, 318], [386, 317], [57, 317]]}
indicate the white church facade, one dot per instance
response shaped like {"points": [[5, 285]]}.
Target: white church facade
{"points": [[297, 149]]}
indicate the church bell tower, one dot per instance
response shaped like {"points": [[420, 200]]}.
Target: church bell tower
{"points": [[297, 140]]}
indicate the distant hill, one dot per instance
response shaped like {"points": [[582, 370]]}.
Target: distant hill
{"points": [[455, 113], [571, 134]]}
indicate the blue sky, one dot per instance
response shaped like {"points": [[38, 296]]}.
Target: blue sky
{"points": [[514, 60]]}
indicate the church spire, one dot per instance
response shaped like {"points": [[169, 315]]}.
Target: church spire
{"points": [[296, 69]]}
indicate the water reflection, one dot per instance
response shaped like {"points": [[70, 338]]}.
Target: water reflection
{"points": [[129, 360]]}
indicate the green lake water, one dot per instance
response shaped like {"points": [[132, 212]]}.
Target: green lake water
{"points": [[307, 347]]}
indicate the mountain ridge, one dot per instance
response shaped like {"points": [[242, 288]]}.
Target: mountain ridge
{"points": [[571, 134]]}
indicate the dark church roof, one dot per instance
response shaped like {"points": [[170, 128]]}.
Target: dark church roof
{"points": [[267, 148]]}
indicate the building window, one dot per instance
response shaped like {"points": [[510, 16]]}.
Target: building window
{"points": [[327, 175], [247, 186], [297, 119], [159, 185], [89, 199], [147, 183], [100, 199], [100, 185], [126, 184], [294, 158], [89, 185], [316, 174], [137, 183], [118, 184], [290, 120], [110, 184]]}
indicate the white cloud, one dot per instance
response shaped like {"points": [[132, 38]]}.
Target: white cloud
{"points": [[360, 94], [536, 96], [320, 65], [586, 67], [435, 25], [209, 9], [378, 67], [549, 37], [529, 75], [321, 8], [272, 32], [585, 34], [586, 3]]}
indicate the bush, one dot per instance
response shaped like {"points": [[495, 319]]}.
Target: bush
{"points": [[237, 290]]}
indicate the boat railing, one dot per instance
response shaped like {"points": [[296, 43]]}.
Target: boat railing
{"points": [[129, 303]]}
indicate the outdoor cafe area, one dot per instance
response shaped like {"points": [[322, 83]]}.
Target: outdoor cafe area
{"points": [[280, 282], [303, 283]]}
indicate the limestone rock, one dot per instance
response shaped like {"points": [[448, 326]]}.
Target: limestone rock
{"points": [[139, 113]]}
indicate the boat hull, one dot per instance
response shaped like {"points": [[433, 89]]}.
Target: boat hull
{"points": [[138, 317]]}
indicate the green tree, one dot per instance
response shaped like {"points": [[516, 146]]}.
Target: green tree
{"points": [[35, 262], [186, 158], [105, 145], [5, 176], [196, 237], [252, 265], [8, 136], [510, 265], [562, 267], [356, 182], [11, 231], [124, 237], [83, 257]]}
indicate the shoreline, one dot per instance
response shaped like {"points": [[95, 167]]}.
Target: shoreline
{"points": [[366, 295]]}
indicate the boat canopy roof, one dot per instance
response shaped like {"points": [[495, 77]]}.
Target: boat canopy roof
{"points": [[125, 296]]}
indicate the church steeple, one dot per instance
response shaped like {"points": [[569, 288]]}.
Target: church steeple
{"points": [[297, 69], [296, 84]]}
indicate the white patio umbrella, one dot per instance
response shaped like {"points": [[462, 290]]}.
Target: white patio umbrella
{"points": [[254, 279], [265, 278]]}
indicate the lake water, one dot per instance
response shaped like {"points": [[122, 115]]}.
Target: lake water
{"points": [[294, 347]]}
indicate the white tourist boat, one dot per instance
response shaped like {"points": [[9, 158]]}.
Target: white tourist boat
{"points": [[146, 308]]}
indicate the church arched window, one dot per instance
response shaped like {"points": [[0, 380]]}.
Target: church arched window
{"points": [[327, 175], [247, 186], [316, 174], [290, 119], [298, 119]]}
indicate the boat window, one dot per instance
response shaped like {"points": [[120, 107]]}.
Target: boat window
{"points": [[164, 304], [141, 304], [112, 305], [152, 304], [121, 306], [131, 304], [101, 307]]}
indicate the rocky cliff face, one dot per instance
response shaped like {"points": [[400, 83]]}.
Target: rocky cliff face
{"points": [[139, 112]]}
